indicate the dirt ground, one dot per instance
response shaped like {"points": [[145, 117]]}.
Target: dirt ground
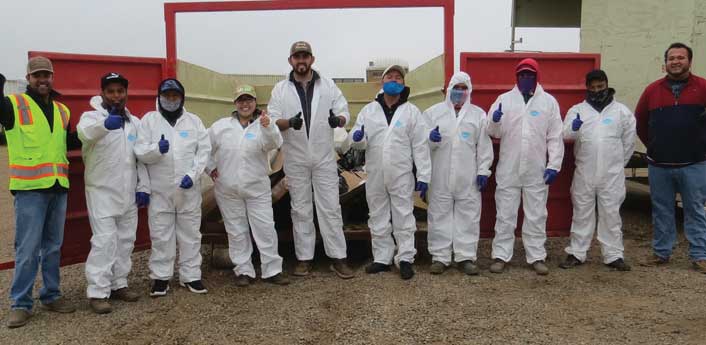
{"points": [[587, 305]]}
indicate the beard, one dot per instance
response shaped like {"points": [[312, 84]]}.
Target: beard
{"points": [[302, 69], [676, 72]]}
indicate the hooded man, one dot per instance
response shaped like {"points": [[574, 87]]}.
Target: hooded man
{"points": [[239, 167], [527, 121], [393, 134], [116, 184], [174, 146], [461, 156], [603, 131]]}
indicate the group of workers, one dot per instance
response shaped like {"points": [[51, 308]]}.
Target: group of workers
{"points": [[445, 153]]}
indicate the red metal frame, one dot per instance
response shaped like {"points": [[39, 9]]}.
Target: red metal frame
{"points": [[171, 9]]}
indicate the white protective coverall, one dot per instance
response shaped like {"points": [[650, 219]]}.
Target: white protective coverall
{"points": [[390, 150], [310, 160], [112, 176], [465, 151], [174, 212], [243, 191], [530, 142], [603, 146]]}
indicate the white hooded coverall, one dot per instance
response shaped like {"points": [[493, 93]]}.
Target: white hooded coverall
{"points": [[112, 176], [530, 142], [465, 151], [603, 146], [243, 191], [174, 212], [310, 160], [390, 151]]}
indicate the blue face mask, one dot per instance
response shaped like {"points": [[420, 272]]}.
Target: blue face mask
{"points": [[526, 84], [392, 88], [457, 96]]}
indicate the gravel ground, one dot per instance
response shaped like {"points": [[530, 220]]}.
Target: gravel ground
{"points": [[587, 305]]}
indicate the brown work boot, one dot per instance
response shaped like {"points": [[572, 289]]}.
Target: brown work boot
{"points": [[277, 279], [18, 318], [125, 295], [100, 305], [540, 268], [437, 267], [340, 267], [498, 266], [60, 306], [469, 267], [242, 280], [302, 269], [699, 266], [654, 261]]}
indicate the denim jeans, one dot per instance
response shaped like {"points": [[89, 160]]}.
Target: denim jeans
{"points": [[39, 232], [690, 182]]}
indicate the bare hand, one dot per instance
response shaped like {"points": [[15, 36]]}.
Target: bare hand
{"points": [[264, 120], [214, 174]]}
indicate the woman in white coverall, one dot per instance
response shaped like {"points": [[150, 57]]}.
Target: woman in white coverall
{"points": [[604, 134], [174, 146], [526, 119], [116, 184], [461, 156], [239, 167], [393, 134]]}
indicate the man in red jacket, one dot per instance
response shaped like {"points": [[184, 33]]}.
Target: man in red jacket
{"points": [[671, 121]]}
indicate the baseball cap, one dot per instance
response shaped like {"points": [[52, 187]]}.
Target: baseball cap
{"points": [[39, 63], [397, 68], [113, 77], [245, 90], [300, 46]]}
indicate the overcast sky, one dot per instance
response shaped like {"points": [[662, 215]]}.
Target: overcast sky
{"points": [[258, 42]]}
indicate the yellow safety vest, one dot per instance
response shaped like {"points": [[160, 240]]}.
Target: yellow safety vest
{"points": [[37, 155]]}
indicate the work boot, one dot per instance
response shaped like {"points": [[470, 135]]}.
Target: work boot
{"points": [[570, 262], [302, 269], [437, 267], [699, 266], [619, 265], [540, 267], [277, 279], [469, 267], [59, 306], [159, 288], [195, 286], [340, 267], [242, 280], [18, 318], [377, 267], [406, 270], [100, 305], [125, 295], [498, 266], [654, 260]]}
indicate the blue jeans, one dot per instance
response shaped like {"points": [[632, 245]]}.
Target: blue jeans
{"points": [[690, 182], [39, 232]]}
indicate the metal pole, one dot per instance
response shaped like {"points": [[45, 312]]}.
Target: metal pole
{"points": [[512, 27]]}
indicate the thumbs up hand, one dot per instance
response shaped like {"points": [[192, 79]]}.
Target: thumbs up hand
{"points": [[576, 124], [296, 122], [435, 135], [163, 145], [358, 135], [264, 120], [497, 114], [333, 120]]}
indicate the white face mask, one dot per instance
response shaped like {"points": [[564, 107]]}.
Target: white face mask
{"points": [[169, 105]]}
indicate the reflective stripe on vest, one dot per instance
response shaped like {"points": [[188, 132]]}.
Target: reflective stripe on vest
{"points": [[33, 172], [26, 117], [64, 116]]}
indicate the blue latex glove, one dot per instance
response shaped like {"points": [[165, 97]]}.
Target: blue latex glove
{"points": [[113, 121], [142, 199], [498, 113], [333, 120], [186, 182], [550, 175], [481, 182], [576, 124], [358, 135], [435, 135], [163, 145], [422, 188]]}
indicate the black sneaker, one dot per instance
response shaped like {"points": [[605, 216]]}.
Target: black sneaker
{"points": [[195, 286], [159, 288], [619, 265], [570, 262], [277, 279], [377, 267], [406, 271]]}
